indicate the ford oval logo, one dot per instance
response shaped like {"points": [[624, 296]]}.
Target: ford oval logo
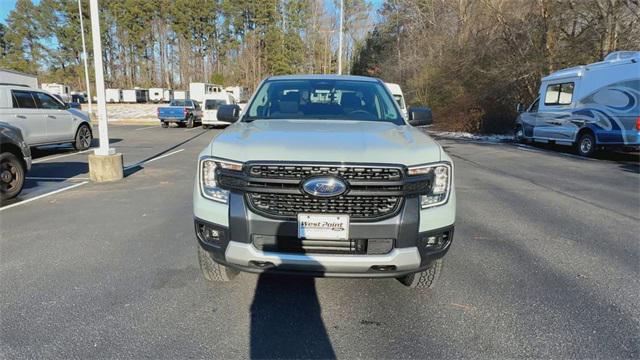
{"points": [[324, 187]]}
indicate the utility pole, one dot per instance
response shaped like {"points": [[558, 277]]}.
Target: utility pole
{"points": [[340, 38], [84, 57], [105, 164]]}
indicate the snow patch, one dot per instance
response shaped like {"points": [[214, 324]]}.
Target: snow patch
{"points": [[491, 138]]}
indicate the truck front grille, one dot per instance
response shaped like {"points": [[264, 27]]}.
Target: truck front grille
{"points": [[357, 207], [345, 172]]}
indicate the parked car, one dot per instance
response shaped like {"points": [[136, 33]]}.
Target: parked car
{"points": [[15, 161], [182, 112], [590, 107], [43, 119], [321, 175], [396, 91], [210, 111]]}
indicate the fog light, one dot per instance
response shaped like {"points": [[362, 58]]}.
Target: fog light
{"points": [[433, 240], [209, 234]]}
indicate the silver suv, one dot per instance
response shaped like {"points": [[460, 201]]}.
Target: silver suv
{"points": [[43, 119]]}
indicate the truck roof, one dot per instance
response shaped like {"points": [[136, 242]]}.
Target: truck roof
{"points": [[323, 77]]}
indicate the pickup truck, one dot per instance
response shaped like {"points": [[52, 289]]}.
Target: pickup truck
{"points": [[321, 175], [182, 112]]}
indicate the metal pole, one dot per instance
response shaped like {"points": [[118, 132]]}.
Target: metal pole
{"points": [[99, 73], [84, 57], [340, 38]]}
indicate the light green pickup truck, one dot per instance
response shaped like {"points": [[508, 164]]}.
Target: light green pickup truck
{"points": [[323, 176]]}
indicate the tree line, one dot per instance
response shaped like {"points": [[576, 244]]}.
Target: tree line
{"points": [[472, 61], [169, 43]]}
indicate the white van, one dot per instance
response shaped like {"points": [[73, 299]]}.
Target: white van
{"points": [[590, 107], [210, 108], [396, 91]]}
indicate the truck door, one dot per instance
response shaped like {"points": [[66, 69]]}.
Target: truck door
{"points": [[554, 119]]}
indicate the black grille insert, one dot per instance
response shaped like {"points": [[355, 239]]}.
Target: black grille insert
{"points": [[346, 172]]}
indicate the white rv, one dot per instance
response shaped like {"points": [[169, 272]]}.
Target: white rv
{"points": [[590, 107], [113, 95], [18, 78], [396, 91], [167, 95], [156, 95], [135, 95], [181, 94], [210, 108], [200, 91], [58, 89], [238, 92]]}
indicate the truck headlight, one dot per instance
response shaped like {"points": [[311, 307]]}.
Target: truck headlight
{"points": [[440, 186], [208, 178]]}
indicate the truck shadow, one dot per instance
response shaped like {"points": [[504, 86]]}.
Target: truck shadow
{"points": [[286, 320]]}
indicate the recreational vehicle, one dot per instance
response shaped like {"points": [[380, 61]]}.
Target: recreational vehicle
{"points": [[199, 91], [590, 107], [18, 78], [181, 94], [238, 92], [167, 95], [113, 95], [135, 95], [156, 95], [58, 89]]}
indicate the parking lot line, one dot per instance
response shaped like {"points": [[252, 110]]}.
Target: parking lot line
{"points": [[153, 159], [43, 195], [59, 156], [146, 127]]}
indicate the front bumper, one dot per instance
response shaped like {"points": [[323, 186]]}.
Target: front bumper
{"points": [[236, 224]]}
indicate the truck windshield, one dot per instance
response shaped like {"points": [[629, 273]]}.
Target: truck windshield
{"points": [[323, 99]]}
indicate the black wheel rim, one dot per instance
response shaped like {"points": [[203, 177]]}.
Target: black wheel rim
{"points": [[10, 176]]}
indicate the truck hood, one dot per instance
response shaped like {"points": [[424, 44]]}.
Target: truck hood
{"points": [[325, 140]]}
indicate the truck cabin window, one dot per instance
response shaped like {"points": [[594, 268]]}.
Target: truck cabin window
{"points": [[559, 94], [323, 99], [180, 103], [213, 104]]}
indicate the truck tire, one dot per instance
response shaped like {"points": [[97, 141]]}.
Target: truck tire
{"points": [[164, 124], [190, 122], [83, 138], [518, 135], [211, 270], [424, 279], [11, 176], [586, 144]]}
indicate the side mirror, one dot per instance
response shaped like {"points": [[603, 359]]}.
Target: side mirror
{"points": [[419, 116], [520, 108], [228, 113]]}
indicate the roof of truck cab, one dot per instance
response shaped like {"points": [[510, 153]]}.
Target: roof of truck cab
{"points": [[323, 77]]}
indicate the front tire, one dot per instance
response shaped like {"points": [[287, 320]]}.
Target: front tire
{"points": [[83, 138], [518, 135], [212, 271], [586, 145], [11, 176], [426, 279], [164, 124]]}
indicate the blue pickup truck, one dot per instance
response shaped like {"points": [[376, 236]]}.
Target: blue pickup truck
{"points": [[182, 112]]}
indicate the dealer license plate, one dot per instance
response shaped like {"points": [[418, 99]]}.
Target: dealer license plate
{"points": [[323, 226]]}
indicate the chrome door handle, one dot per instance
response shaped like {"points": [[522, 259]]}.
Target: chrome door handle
{"points": [[21, 116], [51, 117]]}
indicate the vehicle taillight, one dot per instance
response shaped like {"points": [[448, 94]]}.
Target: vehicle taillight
{"points": [[186, 111], [638, 123]]}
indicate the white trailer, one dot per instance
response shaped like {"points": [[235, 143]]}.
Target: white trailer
{"points": [[238, 92], [135, 96], [167, 95], [113, 95], [58, 89], [200, 91], [181, 94], [18, 78], [156, 95]]}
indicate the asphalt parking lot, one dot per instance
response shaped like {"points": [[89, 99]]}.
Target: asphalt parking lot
{"points": [[545, 263]]}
